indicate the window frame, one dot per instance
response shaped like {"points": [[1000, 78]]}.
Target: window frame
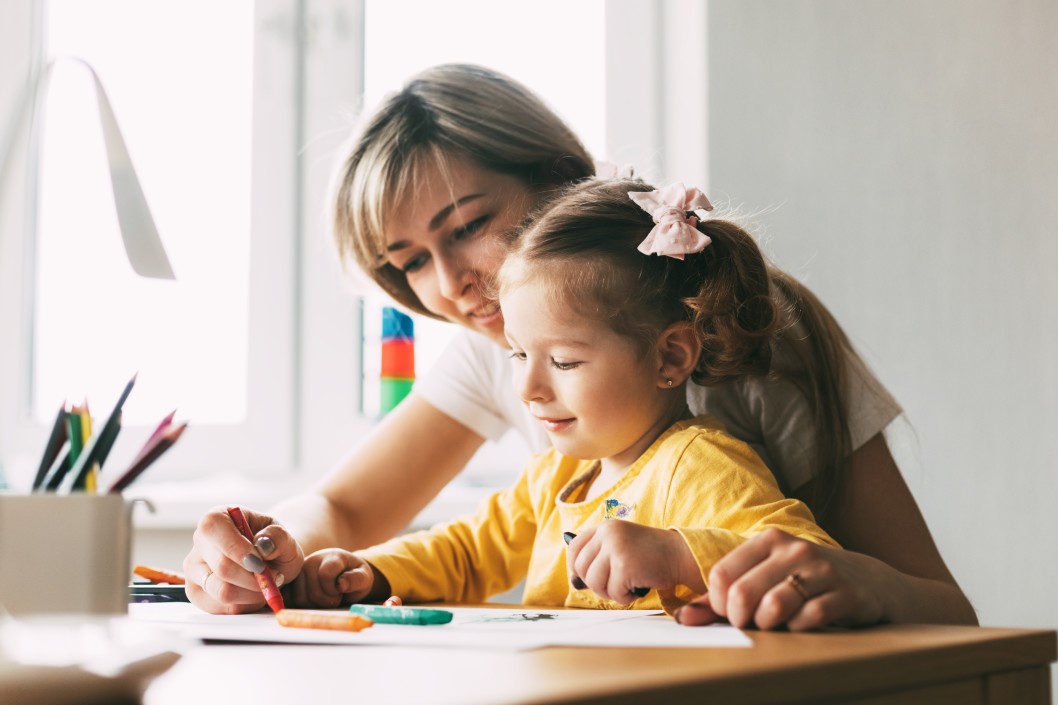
{"points": [[305, 318], [264, 444]]}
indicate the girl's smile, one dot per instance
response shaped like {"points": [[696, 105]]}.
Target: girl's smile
{"points": [[593, 390]]}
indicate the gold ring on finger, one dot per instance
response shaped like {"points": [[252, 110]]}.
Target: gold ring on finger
{"points": [[794, 580]]}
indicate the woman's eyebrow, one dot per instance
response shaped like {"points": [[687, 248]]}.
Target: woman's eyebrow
{"points": [[443, 214], [437, 220]]}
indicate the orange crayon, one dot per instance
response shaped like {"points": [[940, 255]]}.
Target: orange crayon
{"points": [[315, 619], [158, 575]]}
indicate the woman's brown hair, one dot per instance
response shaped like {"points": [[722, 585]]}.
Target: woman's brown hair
{"points": [[452, 111]]}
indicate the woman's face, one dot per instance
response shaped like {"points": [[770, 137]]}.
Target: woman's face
{"points": [[448, 242]]}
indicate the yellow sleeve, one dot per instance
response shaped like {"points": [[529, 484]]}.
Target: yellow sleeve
{"points": [[465, 560], [720, 496]]}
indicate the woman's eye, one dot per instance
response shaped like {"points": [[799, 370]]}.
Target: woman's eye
{"points": [[413, 264], [471, 227], [559, 365], [515, 355]]}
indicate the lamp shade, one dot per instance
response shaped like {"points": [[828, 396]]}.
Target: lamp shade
{"points": [[143, 245]]}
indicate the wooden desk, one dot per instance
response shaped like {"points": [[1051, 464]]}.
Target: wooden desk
{"points": [[891, 665]]}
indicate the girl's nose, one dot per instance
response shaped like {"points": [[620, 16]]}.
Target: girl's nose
{"points": [[532, 385]]}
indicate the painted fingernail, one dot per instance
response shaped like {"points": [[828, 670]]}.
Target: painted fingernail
{"points": [[578, 584], [278, 577], [265, 545], [253, 563]]}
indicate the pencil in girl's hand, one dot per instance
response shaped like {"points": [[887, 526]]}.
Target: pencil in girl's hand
{"points": [[147, 456]]}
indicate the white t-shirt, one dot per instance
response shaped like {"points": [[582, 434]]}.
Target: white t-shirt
{"points": [[471, 382]]}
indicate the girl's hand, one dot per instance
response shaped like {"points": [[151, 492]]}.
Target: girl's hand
{"points": [[753, 585], [220, 567], [617, 556], [333, 577]]}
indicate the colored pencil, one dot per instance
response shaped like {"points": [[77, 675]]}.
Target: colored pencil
{"points": [[75, 478], [55, 440], [147, 456], [58, 470]]}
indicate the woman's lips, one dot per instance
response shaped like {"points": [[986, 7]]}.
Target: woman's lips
{"points": [[486, 315]]}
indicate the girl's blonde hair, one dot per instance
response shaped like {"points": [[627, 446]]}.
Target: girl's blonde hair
{"points": [[452, 111], [583, 247]]}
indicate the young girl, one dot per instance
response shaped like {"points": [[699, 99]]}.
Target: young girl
{"points": [[612, 300], [425, 195]]}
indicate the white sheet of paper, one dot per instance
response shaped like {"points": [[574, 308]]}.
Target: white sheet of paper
{"points": [[517, 629]]}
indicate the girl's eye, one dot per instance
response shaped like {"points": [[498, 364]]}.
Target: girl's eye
{"points": [[515, 355], [471, 227], [559, 365]]}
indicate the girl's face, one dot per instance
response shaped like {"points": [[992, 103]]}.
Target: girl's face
{"points": [[447, 242], [594, 393]]}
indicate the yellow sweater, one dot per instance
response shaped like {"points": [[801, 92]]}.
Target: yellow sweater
{"points": [[694, 478]]}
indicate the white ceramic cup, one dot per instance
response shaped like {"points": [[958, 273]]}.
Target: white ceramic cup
{"points": [[64, 553]]}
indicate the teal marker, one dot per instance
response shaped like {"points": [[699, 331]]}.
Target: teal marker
{"points": [[382, 614]]}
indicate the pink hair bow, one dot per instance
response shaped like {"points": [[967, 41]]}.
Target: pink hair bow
{"points": [[674, 233]]}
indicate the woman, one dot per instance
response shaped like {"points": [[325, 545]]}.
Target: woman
{"points": [[430, 186]]}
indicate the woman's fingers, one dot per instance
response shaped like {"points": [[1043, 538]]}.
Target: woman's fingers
{"points": [[221, 565], [739, 580], [785, 599], [777, 580], [210, 591]]}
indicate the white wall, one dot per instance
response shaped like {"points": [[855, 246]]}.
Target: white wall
{"points": [[903, 159]]}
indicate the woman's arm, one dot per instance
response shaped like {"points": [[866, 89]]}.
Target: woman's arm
{"points": [[891, 572], [379, 488], [876, 514], [401, 465]]}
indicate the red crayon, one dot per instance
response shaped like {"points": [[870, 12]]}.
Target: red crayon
{"points": [[268, 585]]}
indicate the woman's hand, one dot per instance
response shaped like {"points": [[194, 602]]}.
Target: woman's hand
{"points": [[221, 565], [333, 577], [775, 580], [617, 556]]}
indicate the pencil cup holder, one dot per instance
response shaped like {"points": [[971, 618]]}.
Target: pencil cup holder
{"points": [[64, 553]]}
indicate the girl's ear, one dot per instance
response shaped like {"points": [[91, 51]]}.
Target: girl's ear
{"points": [[678, 350]]}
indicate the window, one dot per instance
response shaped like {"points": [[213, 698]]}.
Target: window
{"points": [[234, 126], [461, 32], [95, 320], [215, 151]]}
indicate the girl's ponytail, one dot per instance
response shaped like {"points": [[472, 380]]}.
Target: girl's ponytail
{"points": [[732, 307], [751, 318]]}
